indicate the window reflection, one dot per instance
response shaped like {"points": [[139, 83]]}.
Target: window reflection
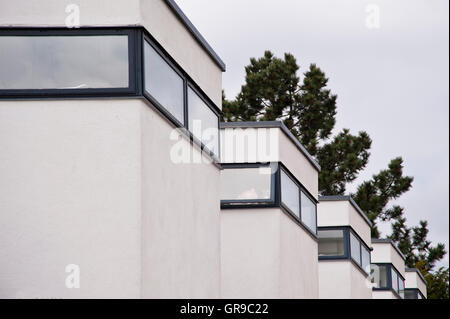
{"points": [[379, 275], [203, 122], [163, 83], [63, 62]]}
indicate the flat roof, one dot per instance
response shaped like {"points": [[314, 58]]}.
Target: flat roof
{"points": [[333, 198], [388, 241], [416, 271], [195, 33], [274, 124]]}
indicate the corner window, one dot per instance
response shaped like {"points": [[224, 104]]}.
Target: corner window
{"points": [[386, 277], [331, 242], [163, 83], [203, 122], [379, 276], [102, 63], [290, 194], [246, 184], [342, 243], [57, 62], [267, 185]]}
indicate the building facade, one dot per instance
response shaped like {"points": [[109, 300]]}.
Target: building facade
{"points": [[268, 219], [415, 284], [119, 181], [388, 270], [344, 249]]}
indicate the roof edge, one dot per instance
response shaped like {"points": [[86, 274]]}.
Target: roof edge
{"points": [[195, 33], [388, 241], [274, 124], [331, 198]]}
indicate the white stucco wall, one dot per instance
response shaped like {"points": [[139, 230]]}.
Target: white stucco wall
{"points": [[242, 145], [70, 194], [342, 213], [266, 255], [412, 280], [154, 15], [360, 283], [88, 182]]}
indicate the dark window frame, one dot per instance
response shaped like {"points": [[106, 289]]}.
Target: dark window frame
{"points": [[347, 246], [389, 287], [133, 64], [276, 189], [245, 203], [345, 235]]}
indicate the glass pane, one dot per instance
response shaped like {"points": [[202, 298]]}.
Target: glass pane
{"points": [[379, 275], [245, 183], [410, 294], [401, 287], [394, 278], [63, 62], [331, 242], [203, 122], [163, 83], [365, 259], [290, 195], [308, 212], [355, 248], [419, 295]]}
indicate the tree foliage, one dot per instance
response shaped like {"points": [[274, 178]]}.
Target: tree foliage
{"points": [[374, 195], [437, 284]]}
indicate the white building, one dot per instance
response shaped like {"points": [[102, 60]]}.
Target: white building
{"points": [[115, 181], [344, 249], [388, 270], [94, 201], [415, 284], [269, 189]]}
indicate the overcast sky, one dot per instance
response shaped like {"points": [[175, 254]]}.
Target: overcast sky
{"points": [[391, 81]]}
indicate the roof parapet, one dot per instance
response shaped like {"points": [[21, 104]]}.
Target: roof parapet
{"points": [[195, 33], [274, 124], [388, 241]]}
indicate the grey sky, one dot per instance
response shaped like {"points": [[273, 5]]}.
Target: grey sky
{"points": [[391, 82]]}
